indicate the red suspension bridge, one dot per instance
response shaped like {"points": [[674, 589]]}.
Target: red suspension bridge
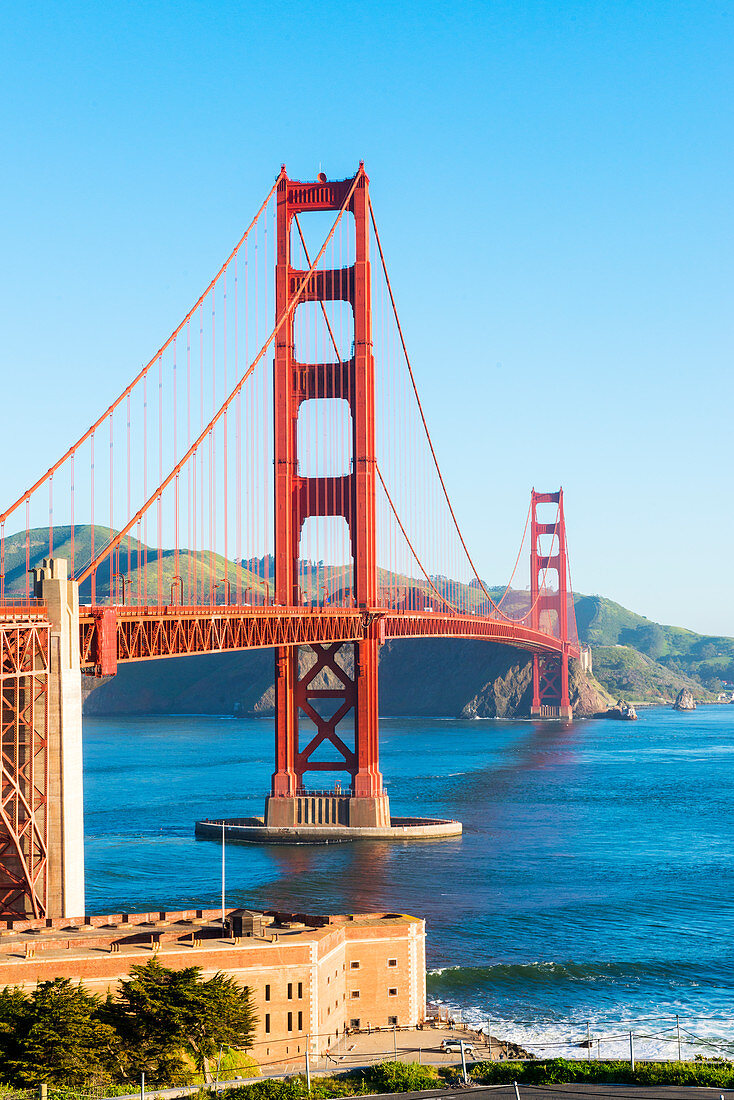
{"points": [[266, 480]]}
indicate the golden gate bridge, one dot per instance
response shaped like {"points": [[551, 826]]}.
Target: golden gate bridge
{"points": [[267, 479]]}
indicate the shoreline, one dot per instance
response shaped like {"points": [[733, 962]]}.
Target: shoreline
{"points": [[421, 1044]]}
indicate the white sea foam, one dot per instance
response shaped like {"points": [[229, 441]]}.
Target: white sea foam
{"points": [[653, 1038]]}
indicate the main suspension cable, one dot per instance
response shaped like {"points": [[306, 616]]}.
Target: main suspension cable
{"points": [[422, 414], [291, 305], [142, 373], [493, 603]]}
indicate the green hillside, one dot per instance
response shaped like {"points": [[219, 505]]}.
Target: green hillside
{"points": [[629, 674], [141, 566], [707, 660], [633, 656]]}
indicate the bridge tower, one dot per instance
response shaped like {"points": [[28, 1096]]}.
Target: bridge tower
{"points": [[41, 817], [351, 495], [549, 610]]}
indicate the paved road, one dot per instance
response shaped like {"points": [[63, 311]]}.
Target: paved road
{"points": [[507, 1092]]}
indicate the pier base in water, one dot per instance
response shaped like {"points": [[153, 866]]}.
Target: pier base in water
{"points": [[328, 810], [550, 711], [255, 830]]}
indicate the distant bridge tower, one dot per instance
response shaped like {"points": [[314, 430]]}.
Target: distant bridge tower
{"points": [[350, 495], [549, 610]]}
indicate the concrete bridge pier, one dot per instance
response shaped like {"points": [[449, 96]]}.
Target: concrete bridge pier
{"points": [[65, 807]]}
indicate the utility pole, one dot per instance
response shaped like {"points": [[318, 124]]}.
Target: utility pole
{"points": [[632, 1052], [677, 1027], [308, 1065], [588, 1041], [394, 1043], [463, 1062]]}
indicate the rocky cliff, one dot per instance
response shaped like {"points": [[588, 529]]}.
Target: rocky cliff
{"points": [[428, 676]]}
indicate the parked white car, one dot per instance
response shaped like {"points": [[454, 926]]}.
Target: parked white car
{"points": [[453, 1046]]}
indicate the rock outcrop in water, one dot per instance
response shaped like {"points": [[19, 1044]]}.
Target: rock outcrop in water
{"points": [[510, 695], [684, 700], [621, 711]]}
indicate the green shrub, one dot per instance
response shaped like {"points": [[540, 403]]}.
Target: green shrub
{"points": [[563, 1071], [399, 1077]]}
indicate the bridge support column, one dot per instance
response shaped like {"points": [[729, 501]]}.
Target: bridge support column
{"points": [[24, 763], [334, 686], [65, 810], [549, 594], [550, 687]]}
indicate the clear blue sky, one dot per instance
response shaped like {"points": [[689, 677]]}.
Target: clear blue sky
{"points": [[554, 187]]}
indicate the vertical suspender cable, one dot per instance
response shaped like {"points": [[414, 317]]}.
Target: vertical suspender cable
{"points": [[51, 516], [200, 580], [145, 490], [259, 381], [194, 599], [71, 528], [112, 507], [238, 448], [225, 463], [266, 477], [93, 578], [190, 511], [27, 547], [213, 467], [159, 507], [129, 486], [176, 569]]}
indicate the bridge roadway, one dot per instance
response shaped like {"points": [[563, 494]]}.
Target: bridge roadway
{"points": [[113, 635]]}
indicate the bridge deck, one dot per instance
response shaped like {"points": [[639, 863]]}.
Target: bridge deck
{"points": [[110, 635]]}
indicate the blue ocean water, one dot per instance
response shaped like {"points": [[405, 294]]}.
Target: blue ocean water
{"points": [[594, 882]]}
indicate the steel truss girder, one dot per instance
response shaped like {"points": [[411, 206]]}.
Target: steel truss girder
{"points": [[149, 633], [549, 680], [437, 625], [24, 671], [142, 634], [306, 696]]}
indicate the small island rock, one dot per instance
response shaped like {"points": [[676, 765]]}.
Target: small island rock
{"points": [[622, 711], [684, 700]]}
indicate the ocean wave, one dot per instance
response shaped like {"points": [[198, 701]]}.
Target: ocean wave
{"points": [[653, 1040], [547, 1035], [546, 1006], [550, 973]]}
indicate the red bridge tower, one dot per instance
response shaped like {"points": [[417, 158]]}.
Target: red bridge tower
{"points": [[351, 495], [549, 610]]}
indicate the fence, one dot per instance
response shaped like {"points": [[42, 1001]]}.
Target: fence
{"points": [[360, 1049], [674, 1035]]}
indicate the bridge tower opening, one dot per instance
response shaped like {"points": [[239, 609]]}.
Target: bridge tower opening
{"points": [[351, 667], [549, 606]]}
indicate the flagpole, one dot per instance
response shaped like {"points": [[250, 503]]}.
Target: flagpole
{"points": [[222, 879]]}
